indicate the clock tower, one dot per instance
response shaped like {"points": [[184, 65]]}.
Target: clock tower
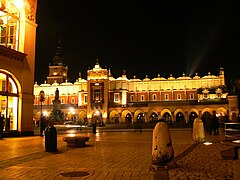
{"points": [[58, 72]]}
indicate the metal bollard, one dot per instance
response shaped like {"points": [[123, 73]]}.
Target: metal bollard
{"points": [[51, 139]]}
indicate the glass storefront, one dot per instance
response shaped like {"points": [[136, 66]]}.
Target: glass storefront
{"points": [[8, 101]]}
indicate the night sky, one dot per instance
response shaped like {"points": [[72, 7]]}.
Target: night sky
{"points": [[141, 37]]}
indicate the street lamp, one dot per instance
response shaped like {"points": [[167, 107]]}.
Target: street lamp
{"points": [[41, 98], [42, 123]]}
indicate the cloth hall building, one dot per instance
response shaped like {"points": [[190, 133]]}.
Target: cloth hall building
{"points": [[122, 100]]}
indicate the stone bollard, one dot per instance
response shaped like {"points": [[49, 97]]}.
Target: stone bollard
{"points": [[162, 149], [198, 133], [51, 139]]}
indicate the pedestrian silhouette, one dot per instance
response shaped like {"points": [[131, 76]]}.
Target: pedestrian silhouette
{"points": [[1, 126], [215, 122], [42, 125], [94, 125]]}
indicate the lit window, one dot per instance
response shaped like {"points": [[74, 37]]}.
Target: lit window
{"points": [[9, 99], [116, 97], [9, 25], [178, 96]]}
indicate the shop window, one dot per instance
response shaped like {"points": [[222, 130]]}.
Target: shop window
{"points": [[9, 101]]}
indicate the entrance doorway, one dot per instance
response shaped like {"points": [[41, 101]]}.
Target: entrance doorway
{"points": [[9, 101]]}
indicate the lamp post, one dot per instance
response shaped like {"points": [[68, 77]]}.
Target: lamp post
{"points": [[41, 98], [41, 124]]}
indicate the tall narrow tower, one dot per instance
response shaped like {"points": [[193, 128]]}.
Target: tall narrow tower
{"points": [[58, 72]]}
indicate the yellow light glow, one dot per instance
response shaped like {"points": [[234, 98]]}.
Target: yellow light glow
{"points": [[45, 113], [97, 112], [72, 111], [19, 4], [71, 135], [236, 141], [104, 115], [207, 143]]}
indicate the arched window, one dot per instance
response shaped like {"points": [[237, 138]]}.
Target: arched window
{"points": [[9, 101], [9, 24]]}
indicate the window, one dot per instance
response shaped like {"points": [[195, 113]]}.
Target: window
{"points": [[219, 95], [132, 97], [9, 25], [9, 99], [96, 94], [205, 95], [166, 97], [72, 100], [62, 101], [142, 97], [85, 98], [191, 96], [178, 96], [116, 97], [154, 97]]}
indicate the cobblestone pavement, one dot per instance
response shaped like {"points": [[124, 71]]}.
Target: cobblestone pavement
{"points": [[111, 155], [205, 162]]}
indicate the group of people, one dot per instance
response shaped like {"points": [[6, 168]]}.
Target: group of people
{"points": [[211, 126]]}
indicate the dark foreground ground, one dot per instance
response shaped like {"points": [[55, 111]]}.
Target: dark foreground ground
{"points": [[113, 154]]}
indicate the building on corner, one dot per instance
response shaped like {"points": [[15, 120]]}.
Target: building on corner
{"points": [[17, 64], [126, 101]]}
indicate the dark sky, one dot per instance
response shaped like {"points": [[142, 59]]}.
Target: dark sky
{"points": [[142, 37]]}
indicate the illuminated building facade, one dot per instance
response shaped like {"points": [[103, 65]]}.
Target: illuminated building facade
{"points": [[122, 100], [17, 61]]}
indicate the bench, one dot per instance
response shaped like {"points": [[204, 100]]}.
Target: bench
{"points": [[75, 141]]}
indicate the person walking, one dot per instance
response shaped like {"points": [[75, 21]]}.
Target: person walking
{"points": [[42, 125], [1, 126], [94, 125], [215, 122]]}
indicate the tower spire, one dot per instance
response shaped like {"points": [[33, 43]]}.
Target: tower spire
{"points": [[58, 59]]}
